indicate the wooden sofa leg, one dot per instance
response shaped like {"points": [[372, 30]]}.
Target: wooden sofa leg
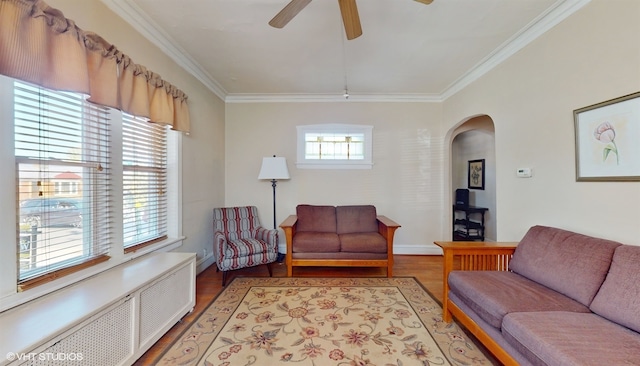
{"points": [[224, 278], [270, 269]]}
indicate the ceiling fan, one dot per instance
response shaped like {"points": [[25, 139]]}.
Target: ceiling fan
{"points": [[348, 8]]}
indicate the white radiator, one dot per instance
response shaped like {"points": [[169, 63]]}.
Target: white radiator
{"points": [[161, 290]]}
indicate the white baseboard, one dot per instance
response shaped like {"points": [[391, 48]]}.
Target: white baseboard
{"points": [[422, 249], [204, 263]]}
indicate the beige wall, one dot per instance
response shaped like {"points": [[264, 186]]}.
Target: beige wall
{"points": [[203, 149], [404, 184], [592, 56]]}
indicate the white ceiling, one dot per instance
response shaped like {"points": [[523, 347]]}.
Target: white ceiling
{"points": [[408, 50]]}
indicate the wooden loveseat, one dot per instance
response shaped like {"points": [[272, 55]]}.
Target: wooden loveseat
{"points": [[339, 236]]}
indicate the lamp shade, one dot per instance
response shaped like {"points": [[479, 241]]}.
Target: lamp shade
{"points": [[274, 168]]}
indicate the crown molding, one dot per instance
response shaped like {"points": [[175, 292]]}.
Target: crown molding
{"points": [[315, 98], [141, 22], [137, 18], [537, 27]]}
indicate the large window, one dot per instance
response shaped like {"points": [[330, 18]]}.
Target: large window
{"points": [[63, 182], [335, 146], [144, 181], [74, 192]]}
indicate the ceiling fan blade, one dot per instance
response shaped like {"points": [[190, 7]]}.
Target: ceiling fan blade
{"points": [[426, 2], [288, 12], [350, 18]]}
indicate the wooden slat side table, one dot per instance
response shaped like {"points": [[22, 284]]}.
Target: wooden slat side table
{"points": [[474, 256]]}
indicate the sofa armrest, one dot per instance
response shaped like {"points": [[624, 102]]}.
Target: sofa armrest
{"points": [[385, 221], [473, 256], [289, 227], [387, 228], [290, 221]]}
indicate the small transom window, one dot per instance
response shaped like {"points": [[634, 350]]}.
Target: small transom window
{"points": [[334, 146]]}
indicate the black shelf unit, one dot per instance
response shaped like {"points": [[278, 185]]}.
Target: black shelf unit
{"points": [[469, 224]]}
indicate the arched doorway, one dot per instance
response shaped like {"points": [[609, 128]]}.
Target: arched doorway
{"points": [[474, 139]]}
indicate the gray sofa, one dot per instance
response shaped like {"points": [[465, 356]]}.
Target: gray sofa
{"points": [[339, 236], [567, 299]]}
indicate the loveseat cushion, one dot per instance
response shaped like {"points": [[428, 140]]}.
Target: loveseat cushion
{"points": [[315, 242], [356, 219], [320, 219], [363, 243], [565, 338], [570, 263], [619, 297], [494, 294]]}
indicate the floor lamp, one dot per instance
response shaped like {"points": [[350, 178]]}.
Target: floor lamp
{"points": [[274, 168]]}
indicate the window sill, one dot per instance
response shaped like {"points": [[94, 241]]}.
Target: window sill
{"points": [[334, 165], [20, 298], [165, 245]]}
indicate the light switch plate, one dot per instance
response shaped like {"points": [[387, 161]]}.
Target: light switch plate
{"points": [[524, 172]]}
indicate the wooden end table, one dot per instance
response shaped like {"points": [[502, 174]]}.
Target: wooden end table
{"points": [[474, 256]]}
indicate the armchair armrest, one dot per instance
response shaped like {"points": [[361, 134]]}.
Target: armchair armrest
{"points": [[269, 236], [219, 246]]}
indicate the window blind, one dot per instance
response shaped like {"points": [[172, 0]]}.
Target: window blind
{"points": [[64, 212], [144, 155]]}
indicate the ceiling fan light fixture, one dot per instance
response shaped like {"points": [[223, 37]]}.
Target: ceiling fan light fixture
{"points": [[348, 9]]}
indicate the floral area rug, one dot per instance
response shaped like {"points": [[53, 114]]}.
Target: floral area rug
{"points": [[323, 321]]}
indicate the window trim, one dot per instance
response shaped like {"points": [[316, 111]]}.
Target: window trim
{"points": [[9, 295], [304, 163]]}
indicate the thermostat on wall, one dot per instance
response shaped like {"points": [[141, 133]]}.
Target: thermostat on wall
{"points": [[523, 172]]}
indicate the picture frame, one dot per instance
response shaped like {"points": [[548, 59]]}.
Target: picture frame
{"points": [[475, 176], [606, 140]]}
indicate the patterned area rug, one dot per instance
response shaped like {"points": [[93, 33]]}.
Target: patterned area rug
{"points": [[323, 321]]}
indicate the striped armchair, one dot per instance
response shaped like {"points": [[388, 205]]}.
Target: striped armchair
{"points": [[240, 241]]}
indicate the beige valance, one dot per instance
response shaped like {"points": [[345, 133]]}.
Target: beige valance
{"points": [[39, 45]]}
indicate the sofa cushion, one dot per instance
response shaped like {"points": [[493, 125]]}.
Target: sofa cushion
{"points": [[316, 218], [315, 242], [570, 263], [494, 294], [356, 219], [564, 338], [363, 243], [619, 297]]}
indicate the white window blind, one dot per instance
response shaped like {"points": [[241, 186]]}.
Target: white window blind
{"points": [[62, 163], [144, 157]]}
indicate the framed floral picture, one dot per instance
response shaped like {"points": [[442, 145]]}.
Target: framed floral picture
{"points": [[476, 174], [607, 136]]}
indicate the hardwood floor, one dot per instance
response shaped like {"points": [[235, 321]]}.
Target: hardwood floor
{"points": [[425, 268]]}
